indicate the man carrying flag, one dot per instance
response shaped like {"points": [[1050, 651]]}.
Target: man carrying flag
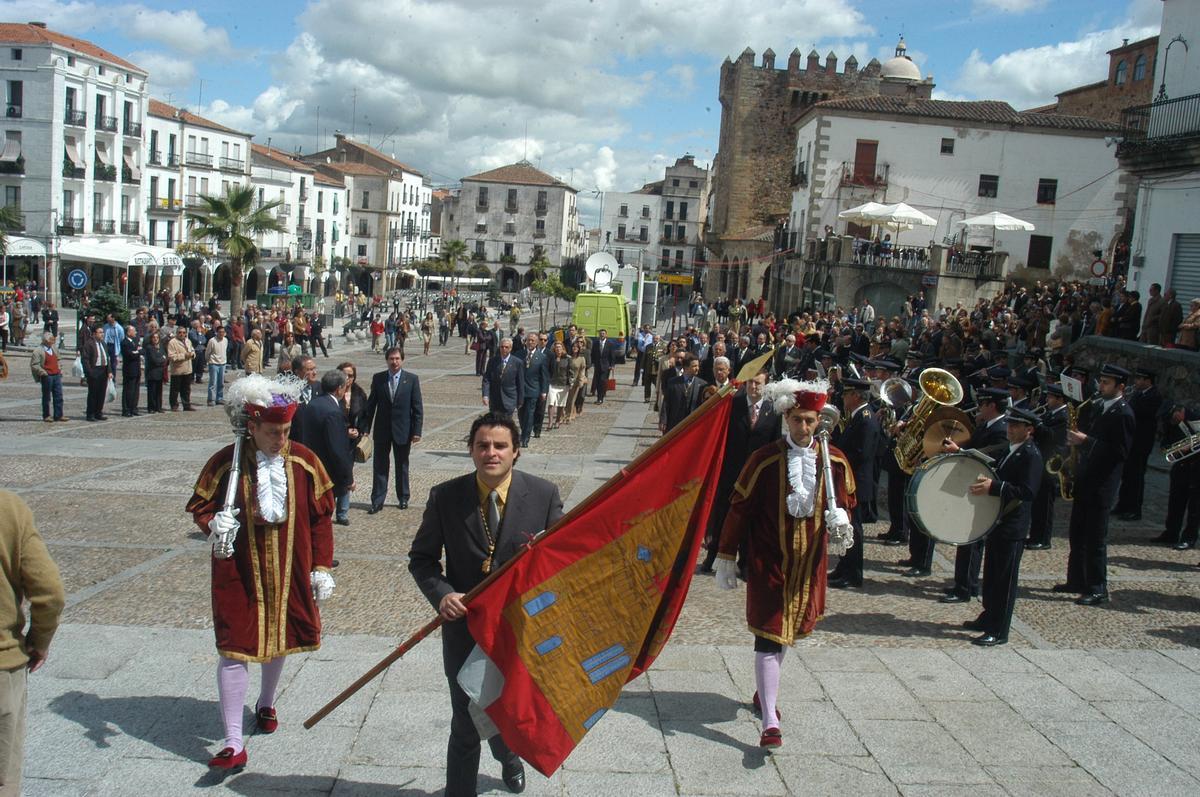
{"points": [[480, 520], [780, 509]]}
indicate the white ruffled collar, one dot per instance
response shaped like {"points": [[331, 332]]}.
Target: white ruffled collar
{"points": [[272, 487], [802, 477]]}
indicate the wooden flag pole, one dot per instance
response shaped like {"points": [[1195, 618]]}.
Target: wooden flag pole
{"points": [[584, 505]]}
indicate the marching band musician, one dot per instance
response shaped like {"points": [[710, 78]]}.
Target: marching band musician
{"points": [[282, 554], [1018, 476], [1105, 439], [1018, 391], [1053, 442], [1146, 402], [786, 537], [990, 438], [1183, 498], [859, 439]]}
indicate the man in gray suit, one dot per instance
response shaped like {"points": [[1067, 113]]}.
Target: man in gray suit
{"points": [[537, 385], [504, 381], [480, 520]]}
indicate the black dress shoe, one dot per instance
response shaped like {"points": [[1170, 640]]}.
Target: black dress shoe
{"points": [[915, 572], [989, 640], [514, 776], [1092, 599], [1183, 546], [1068, 588], [374, 509], [845, 582], [404, 504], [954, 597], [1037, 546]]}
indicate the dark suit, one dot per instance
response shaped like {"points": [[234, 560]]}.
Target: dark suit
{"points": [[1017, 479], [96, 362], [682, 395], [1110, 439], [131, 375], [536, 378], [1054, 437], [321, 426], [603, 356], [1145, 405], [859, 440], [504, 384], [991, 440], [453, 523], [394, 421]]}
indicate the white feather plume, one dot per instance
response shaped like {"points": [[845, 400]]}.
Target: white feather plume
{"points": [[782, 394], [258, 389]]}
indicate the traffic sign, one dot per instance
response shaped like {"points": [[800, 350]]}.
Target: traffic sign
{"points": [[1099, 268], [77, 279], [675, 279]]}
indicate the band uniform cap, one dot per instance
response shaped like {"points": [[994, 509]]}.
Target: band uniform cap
{"points": [[1016, 380], [1022, 416], [1144, 373], [1055, 390], [999, 373], [1116, 372], [850, 383], [995, 394]]}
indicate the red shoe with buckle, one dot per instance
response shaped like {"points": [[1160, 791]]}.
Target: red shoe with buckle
{"points": [[227, 759], [266, 719], [758, 708], [771, 738]]}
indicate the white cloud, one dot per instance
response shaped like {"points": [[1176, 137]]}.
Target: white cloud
{"points": [[684, 77], [1010, 6], [183, 31], [169, 76]]}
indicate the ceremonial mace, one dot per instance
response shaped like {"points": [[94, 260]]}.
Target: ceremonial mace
{"points": [[830, 415], [223, 548]]}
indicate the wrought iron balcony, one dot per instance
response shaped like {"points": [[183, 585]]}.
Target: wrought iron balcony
{"points": [[362, 232], [541, 209], [104, 226], [1163, 129], [865, 175], [13, 111], [131, 227], [72, 171], [198, 159], [133, 128], [195, 201], [74, 117], [511, 207], [13, 167], [103, 172], [232, 164], [70, 226], [172, 158], [107, 123], [166, 205], [127, 176], [155, 157], [166, 243]]}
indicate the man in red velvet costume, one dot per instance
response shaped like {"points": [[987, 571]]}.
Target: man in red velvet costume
{"points": [[265, 595], [780, 509]]}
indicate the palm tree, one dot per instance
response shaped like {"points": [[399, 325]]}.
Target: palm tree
{"points": [[454, 254], [10, 221], [234, 222]]}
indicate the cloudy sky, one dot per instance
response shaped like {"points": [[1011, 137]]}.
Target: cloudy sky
{"points": [[601, 93]]}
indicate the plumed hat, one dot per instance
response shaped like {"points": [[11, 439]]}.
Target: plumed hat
{"points": [[788, 393]]}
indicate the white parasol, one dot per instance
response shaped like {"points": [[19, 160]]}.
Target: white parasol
{"points": [[901, 214], [996, 221], [860, 214]]}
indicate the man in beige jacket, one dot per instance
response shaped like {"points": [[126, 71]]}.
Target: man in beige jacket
{"points": [[29, 575], [180, 353]]}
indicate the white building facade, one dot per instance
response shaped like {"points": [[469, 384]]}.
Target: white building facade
{"points": [[1161, 145], [629, 225], [953, 160]]}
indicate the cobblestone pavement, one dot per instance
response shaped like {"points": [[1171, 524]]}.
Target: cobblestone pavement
{"points": [[885, 697]]}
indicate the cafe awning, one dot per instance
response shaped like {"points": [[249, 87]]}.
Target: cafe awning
{"points": [[119, 254]]}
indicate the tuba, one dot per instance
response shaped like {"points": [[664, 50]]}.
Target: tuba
{"points": [[894, 396], [938, 388]]}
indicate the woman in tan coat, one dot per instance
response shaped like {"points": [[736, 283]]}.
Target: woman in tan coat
{"points": [[252, 353]]}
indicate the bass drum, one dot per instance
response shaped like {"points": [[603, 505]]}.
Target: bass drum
{"points": [[940, 505]]}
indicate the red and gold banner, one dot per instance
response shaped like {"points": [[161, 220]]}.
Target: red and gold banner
{"points": [[592, 603]]}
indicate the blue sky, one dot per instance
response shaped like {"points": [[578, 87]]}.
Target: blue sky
{"points": [[609, 91]]}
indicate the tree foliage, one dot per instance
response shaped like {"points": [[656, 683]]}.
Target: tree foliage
{"points": [[105, 300], [234, 222]]}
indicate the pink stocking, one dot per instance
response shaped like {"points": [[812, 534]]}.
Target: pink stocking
{"points": [[766, 674], [271, 671], [232, 679]]}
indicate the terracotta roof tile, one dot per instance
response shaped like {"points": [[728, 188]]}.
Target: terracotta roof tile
{"points": [[520, 173], [163, 111], [280, 158], [25, 33], [354, 168], [325, 179], [987, 111]]}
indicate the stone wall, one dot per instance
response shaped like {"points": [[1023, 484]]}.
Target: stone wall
{"points": [[1177, 371]]}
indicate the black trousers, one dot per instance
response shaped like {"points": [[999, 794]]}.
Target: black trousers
{"points": [[1133, 481], [129, 394], [1183, 501], [1041, 529], [385, 450], [967, 561], [539, 415], [181, 390], [600, 384], [462, 751], [1087, 561], [528, 418], [97, 386], [1001, 567], [154, 395], [920, 549], [897, 516], [318, 340], [638, 364], [648, 381]]}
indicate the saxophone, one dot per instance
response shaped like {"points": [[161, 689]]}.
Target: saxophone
{"points": [[1065, 467]]}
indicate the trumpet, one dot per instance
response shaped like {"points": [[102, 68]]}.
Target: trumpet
{"points": [[1185, 448]]}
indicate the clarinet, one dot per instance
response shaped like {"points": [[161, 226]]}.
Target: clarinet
{"points": [[223, 549]]}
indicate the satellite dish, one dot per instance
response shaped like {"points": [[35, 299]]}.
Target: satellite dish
{"points": [[600, 269]]}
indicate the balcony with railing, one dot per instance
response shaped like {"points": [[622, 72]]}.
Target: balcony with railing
{"points": [[303, 226], [800, 177], [130, 176], [282, 211], [132, 128], [481, 204], [131, 228], [541, 209], [1163, 134], [232, 164], [166, 243], [13, 111], [104, 226], [198, 159], [164, 204], [154, 157], [106, 123], [195, 201], [865, 175], [172, 158], [511, 207], [102, 171], [75, 118], [13, 167], [362, 232], [304, 192], [70, 226]]}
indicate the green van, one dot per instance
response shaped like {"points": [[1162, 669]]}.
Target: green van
{"points": [[608, 311]]}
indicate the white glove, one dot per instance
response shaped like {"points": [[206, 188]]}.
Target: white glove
{"points": [[322, 585], [727, 574], [222, 529], [841, 533]]}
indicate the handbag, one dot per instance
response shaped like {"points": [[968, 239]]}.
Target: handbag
{"points": [[474, 345], [363, 449]]}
